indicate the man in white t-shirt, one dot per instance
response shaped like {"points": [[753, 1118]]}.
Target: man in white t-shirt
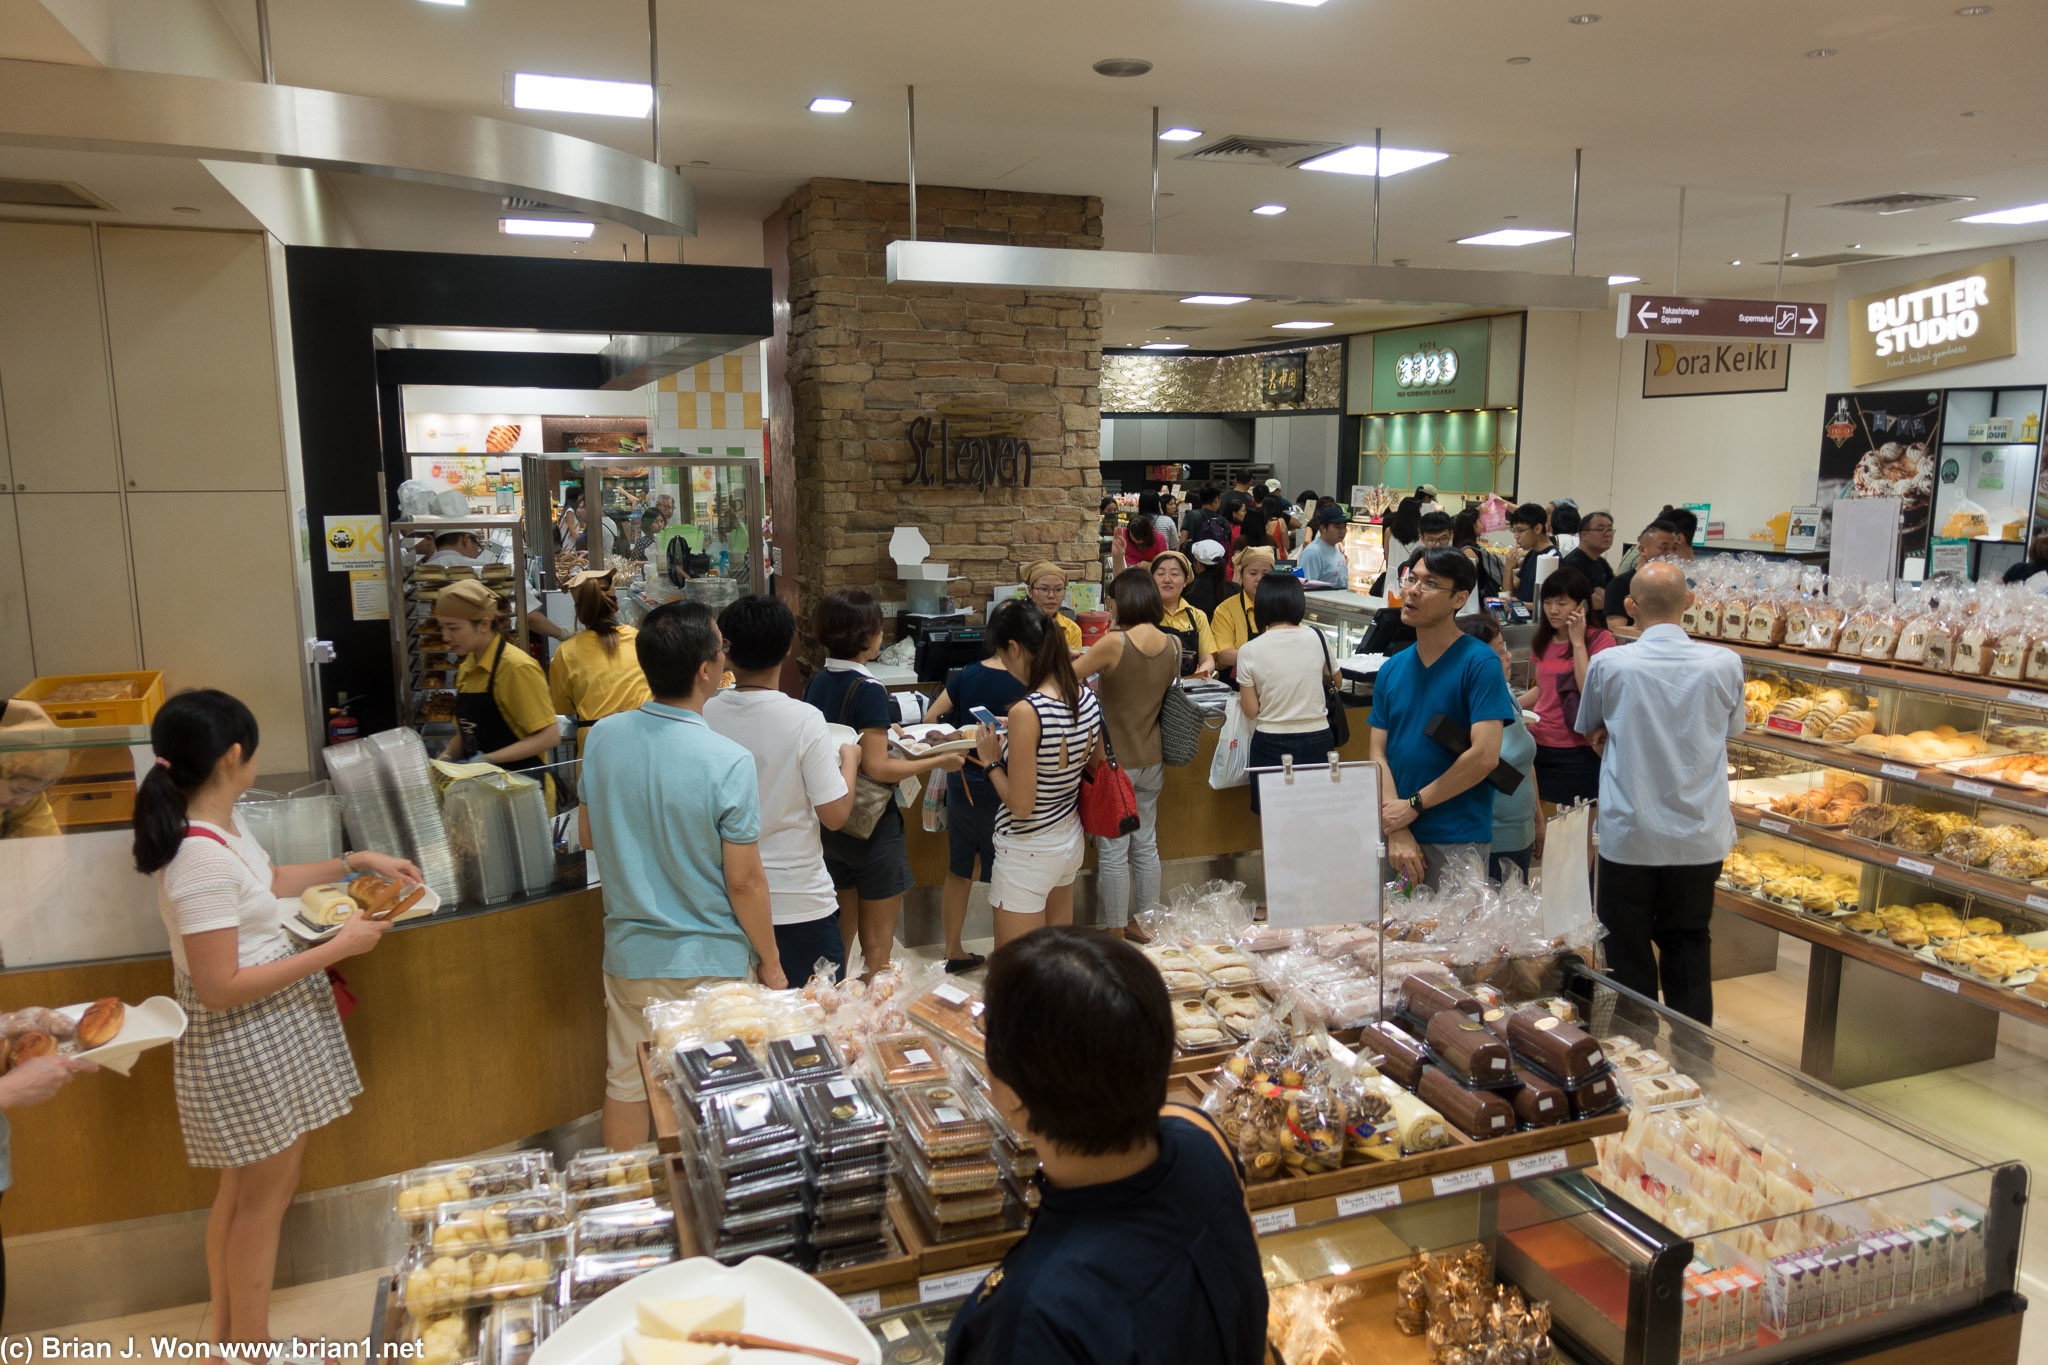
{"points": [[806, 781]]}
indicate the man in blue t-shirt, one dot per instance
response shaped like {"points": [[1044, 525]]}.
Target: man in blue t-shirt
{"points": [[1438, 803]]}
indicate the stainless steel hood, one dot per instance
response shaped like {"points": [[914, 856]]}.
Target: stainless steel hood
{"points": [[1137, 272]]}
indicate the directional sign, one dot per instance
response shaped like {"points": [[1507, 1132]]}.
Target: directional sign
{"points": [[1659, 315]]}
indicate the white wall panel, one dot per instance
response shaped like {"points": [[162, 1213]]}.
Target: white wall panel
{"points": [[81, 601], [53, 361]]}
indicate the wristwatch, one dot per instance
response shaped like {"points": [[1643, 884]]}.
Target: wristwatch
{"points": [[1001, 765], [1415, 803]]}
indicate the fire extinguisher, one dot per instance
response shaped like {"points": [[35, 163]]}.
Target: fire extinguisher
{"points": [[341, 726]]}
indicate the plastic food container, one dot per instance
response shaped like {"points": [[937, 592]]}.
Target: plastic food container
{"points": [[903, 1059], [633, 1226], [421, 1193], [747, 1130], [707, 1068], [843, 1118], [952, 1013], [803, 1057], [767, 1188], [597, 1169], [594, 1276], [435, 1284], [942, 1122], [512, 1331], [852, 1179], [952, 1175], [493, 1223]]}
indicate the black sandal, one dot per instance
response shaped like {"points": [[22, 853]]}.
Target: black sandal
{"points": [[957, 965]]}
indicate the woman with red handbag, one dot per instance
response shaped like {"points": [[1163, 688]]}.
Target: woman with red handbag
{"points": [[1052, 738], [263, 1061]]}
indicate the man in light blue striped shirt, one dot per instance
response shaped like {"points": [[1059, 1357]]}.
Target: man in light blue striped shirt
{"points": [[1662, 711]]}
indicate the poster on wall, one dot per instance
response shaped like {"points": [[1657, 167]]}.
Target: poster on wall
{"points": [[353, 542], [1881, 445], [1691, 369], [472, 433]]}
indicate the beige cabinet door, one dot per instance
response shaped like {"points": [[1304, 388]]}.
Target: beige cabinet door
{"points": [[17, 651], [222, 610], [74, 562], [195, 370], [53, 361]]}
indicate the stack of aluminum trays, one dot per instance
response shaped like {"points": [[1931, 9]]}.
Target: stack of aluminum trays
{"points": [[479, 833], [533, 839], [366, 806], [402, 759], [304, 827]]}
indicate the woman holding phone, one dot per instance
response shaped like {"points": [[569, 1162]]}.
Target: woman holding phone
{"points": [[1567, 766]]}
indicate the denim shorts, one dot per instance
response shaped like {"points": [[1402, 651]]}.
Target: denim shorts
{"points": [[970, 829], [801, 945], [874, 868]]}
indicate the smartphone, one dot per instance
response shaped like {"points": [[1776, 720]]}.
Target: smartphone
{"points": [[984, 716]]}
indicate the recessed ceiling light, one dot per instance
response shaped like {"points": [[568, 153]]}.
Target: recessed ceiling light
{"points": [[1585, 18], [1973, 113], [1122, 66], [2028, 213], [1306, 4], [1855, 246], [1300, 326], [1164, 346], [1823, 52], [1270, 210], [1624, 279], [827, 104], [1520, 61], [1974, 11], [1180, 134], [1362, 161], [1793, 256], [1513, 237], [1218, 299], [544, 227], [455, 4], [183, 208], [1735, 263], [574, 95]]}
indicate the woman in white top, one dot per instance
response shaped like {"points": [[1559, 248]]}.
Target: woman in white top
{"points": [[1281, 678], [263, 1061], [1051, 737]]}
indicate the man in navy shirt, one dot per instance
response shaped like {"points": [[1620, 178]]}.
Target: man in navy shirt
{"points": [[1438, 804], [1142, 1252]]}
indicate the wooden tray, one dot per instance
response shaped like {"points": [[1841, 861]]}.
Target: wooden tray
{"points": [[660, 1105]]}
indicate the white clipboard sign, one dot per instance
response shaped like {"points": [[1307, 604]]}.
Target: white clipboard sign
{"points": [[1320, 837]]}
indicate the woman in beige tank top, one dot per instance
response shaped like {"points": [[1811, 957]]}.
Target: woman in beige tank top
{"points": [[1134, 665]]}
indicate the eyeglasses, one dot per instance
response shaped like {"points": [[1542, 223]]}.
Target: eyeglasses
{"points": [[1049, 590], [1428, 585]]}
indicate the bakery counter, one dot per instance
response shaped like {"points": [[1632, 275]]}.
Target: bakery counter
{"points": [[475, 1027]]}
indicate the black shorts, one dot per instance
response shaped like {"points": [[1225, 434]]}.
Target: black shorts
{"points": [[874, 868], [970, 829], [1565, 775]]}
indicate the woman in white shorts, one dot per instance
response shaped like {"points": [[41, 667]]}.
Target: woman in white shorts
{"points": [[1051, 737]]}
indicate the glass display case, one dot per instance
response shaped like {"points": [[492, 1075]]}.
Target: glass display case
{"points": [[1747, 1213], [708, 530]]}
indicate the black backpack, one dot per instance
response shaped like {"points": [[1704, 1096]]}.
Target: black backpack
{"points": [[1217, 529]]}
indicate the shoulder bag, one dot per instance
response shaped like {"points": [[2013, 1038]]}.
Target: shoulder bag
{"points": [[1333, 699], [870, 798], [1181, 723], [1108, 802]]}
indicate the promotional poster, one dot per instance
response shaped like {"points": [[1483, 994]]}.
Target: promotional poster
{"points": [[1882, 445]]}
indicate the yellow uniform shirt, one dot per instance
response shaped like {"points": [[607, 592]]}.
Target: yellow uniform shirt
{"points": [[31, 819], [589, 684], [1234, 623], [1188, 616], [522, 689], [1073, 630]]}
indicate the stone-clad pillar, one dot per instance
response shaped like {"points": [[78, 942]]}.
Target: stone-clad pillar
{"points": [[865, 359]]}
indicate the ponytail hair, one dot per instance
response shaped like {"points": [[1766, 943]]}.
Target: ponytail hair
{"points": [[190, 735], [1041, 637], [598, 611]]}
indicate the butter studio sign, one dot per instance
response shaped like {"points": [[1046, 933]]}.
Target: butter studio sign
{"points": [[1679, 369], [1960, 318], [970, 446]]}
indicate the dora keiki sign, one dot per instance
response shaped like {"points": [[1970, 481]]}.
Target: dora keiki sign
{"points": [[1960, 318]]}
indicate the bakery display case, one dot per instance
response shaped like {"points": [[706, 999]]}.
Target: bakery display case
{"points": [[423, 667], [714, 508]]}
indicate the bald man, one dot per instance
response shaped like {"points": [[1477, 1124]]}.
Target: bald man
{"points": [[1661, 711]]}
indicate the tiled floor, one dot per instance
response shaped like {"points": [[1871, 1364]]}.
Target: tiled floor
{"points": [[1995, 1109]]}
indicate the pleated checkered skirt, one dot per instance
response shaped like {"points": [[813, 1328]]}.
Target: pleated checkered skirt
{"points": [[254, 1079]]}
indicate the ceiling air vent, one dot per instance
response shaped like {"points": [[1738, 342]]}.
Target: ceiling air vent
{"points": [[519, 203], [1182, 327], [1838, 258], [1900, 203], [1236, 150], [49, 194]]}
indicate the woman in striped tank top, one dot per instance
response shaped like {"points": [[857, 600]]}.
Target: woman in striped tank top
{"points": [[1051, 737]]}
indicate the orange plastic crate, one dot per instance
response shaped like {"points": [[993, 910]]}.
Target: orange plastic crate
{"points": [[137, 710]]}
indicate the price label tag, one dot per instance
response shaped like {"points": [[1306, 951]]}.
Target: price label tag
{"points": [[1775, 826], [939, 1288], [949, 992], [1368, 1201], [1915, 866], [1837, 666], [1940, 982], [2037, 902], [917, 1056], [1458, 1182], [1784, 725], [865, 1305], [802, 1042], [1898, 770], [2026, 698], [1851, 1215], [717, 1050], [1543, 1163], [895, 1329], [1981, 789], [1667, 1172], [1270, 1221]]}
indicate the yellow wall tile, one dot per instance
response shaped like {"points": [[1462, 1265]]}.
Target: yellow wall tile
{"points": [[750, 410]]}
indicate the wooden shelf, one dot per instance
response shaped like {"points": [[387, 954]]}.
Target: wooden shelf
{"points": [[1880, 674], [1926, 865], [1826, 934], [1870, 765]]}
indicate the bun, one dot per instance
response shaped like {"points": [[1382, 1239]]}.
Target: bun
{"points": [[29, 1046], [102, 1022]]}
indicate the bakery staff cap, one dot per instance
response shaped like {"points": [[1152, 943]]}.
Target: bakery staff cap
{"points": [[1252, 554], [582, 576], [1039, 568], [468, 600], [1208, 551]]}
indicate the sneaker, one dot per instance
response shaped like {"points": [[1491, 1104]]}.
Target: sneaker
{"points": [[957, 965]]}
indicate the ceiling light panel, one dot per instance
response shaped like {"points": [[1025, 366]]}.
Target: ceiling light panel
{"points": [[828, 104], [1300, 326], [1180, 134], [1217, 300], [2029, 213], [1624, 279], [1270, 210], [1164, 346], [1305, 4], [452, 4], [1513, 237], [544, 227], [575, 95], [1368, 161]]}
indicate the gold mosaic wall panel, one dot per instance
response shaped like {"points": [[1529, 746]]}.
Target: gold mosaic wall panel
{"points": [[1214, 383]]}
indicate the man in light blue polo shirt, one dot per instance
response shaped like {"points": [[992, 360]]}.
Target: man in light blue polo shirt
{"points": [[672, 813]]}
